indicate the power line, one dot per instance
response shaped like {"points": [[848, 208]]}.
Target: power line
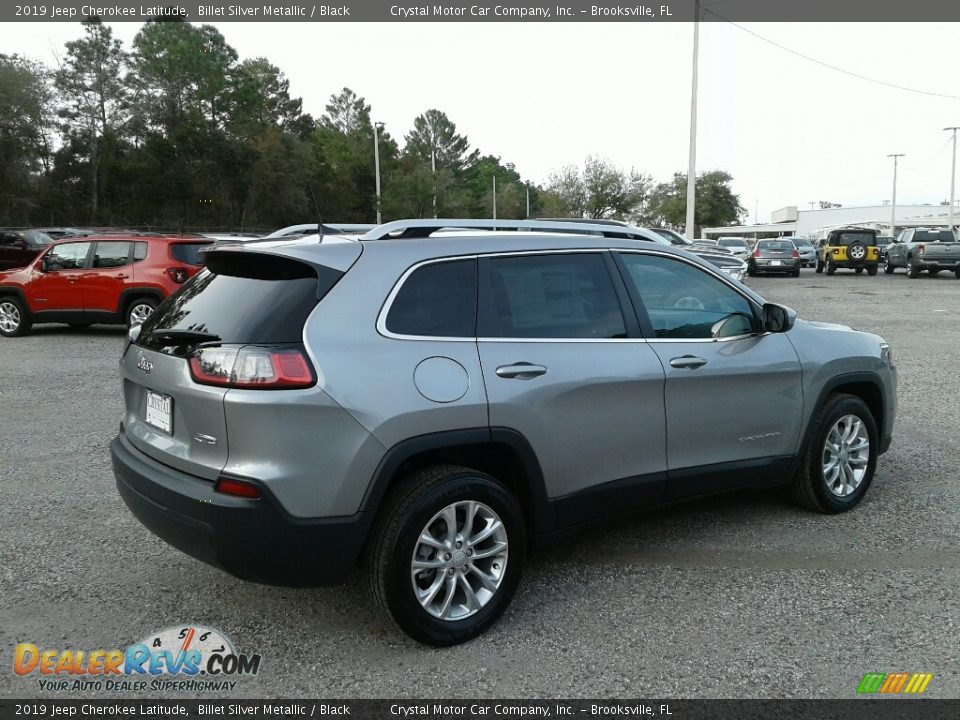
{"points": [[935, 156], [828, 65]]}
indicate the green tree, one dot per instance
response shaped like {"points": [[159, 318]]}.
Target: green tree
{"points": [[716, 203], [600, 190], [435, 137], [94, 97], [25, 136]]}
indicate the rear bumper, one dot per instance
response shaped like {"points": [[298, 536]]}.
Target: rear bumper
{"points": [[254, 540], [937, 263], [788, 265]]}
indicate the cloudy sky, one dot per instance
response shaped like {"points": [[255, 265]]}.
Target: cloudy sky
{"points": [[789, 130]]}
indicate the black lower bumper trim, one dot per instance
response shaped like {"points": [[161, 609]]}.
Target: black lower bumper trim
{"points": [[254, 540]]}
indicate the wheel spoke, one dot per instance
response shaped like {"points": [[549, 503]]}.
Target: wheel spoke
{"points": [[427, 539], [490, 529], [432, 564], [473, 603], [448, 598], [450, 517], [496, 549], [488, 581], [427, 596]]}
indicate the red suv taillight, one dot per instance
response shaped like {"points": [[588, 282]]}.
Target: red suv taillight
{"points": [[178, 274], [251, 367]]}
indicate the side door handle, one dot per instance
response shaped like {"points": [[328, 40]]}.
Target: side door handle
{"points": [[690, 362], [521, 370]]}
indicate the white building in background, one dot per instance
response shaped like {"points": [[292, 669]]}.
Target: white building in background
{"points": [[793, 221]]}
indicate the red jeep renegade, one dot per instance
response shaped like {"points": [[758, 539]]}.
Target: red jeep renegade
{"points": [[113, 279]]}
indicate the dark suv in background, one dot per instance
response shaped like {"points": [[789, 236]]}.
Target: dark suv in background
{"points": [[19, 247], [111, 279]]}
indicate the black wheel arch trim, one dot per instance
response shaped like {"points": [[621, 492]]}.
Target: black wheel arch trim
{"points": [[132, 293], [17, 293], [829, 388], [542, 511]]}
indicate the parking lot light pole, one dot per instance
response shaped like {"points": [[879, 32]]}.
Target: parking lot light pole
{"points": [[953, 178], [893, 201], [692, 165], [377, 126]]}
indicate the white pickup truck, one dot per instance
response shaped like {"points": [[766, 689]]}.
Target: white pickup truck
{"points": [[927, 249]]}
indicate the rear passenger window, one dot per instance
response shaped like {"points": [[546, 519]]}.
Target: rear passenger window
{"points": [[437, 300], [550, 296], [112, 255], [139, 251]]}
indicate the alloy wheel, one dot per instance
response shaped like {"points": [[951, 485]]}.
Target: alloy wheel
{"points": [[139, 313], [9, 317], [846, 455], [459, 561]]}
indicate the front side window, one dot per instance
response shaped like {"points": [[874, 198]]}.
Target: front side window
{"points": [[550, 296], [111, 255], [685, 302], [437, 300], [69, 256]]}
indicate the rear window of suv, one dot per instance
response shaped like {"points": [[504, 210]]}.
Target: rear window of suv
{"points": [[189, 253], [933, 236], [248, 300]]}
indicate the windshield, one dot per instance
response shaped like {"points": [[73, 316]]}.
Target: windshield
{"points": [[35, 237], [732, 243], [802, 242]]}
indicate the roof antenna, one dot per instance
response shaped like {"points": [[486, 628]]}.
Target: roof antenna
{"points": [[316, 206]]}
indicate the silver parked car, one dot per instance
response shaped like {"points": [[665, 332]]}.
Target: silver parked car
{"points": [[737, 245], [432, 405], [775, 256]]}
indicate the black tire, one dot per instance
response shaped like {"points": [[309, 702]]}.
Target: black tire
{"points": [[18, 322], [933, 272], [913, 271], [808, 487], [819, 265], [831, 268], [751, 270], [135, 305], [872, 271], [795, 273], [394, 538], [888, 268], [956, 273]]}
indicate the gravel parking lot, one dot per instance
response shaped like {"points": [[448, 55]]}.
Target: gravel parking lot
{"points": [[741, 596]]}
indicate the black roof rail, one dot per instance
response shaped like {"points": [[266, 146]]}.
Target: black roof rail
{"points": [[422, 228]]}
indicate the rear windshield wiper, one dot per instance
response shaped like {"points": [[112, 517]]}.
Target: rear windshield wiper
{"points": [[170, 338]]}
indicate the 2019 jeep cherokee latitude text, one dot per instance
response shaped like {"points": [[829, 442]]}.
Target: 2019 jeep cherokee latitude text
{"points": [[432, 408]]}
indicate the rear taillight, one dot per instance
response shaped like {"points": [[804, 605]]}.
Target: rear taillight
{"points": [[178, 274], [756, 253], [920, 248], [795, 253], [251, 367], [238, 488]]}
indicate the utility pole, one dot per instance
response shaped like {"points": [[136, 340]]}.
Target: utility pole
{"points": [[494, 197], [756, 212], [953, 178], [692, 166], [376, 161], [433, 169], [528, 202], [893, 202]]}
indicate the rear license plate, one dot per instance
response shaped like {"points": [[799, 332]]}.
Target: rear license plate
{"points": [[160, 411], [775, 262]]}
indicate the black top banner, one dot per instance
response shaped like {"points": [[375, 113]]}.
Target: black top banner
{"points": [[513, 11]]}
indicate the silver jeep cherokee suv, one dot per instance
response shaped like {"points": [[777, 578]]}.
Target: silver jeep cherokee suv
{"points": [[431, 405]]}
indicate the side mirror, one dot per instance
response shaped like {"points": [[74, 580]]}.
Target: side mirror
{"points": [[44, 265], [778, 318], [133, 333]]}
